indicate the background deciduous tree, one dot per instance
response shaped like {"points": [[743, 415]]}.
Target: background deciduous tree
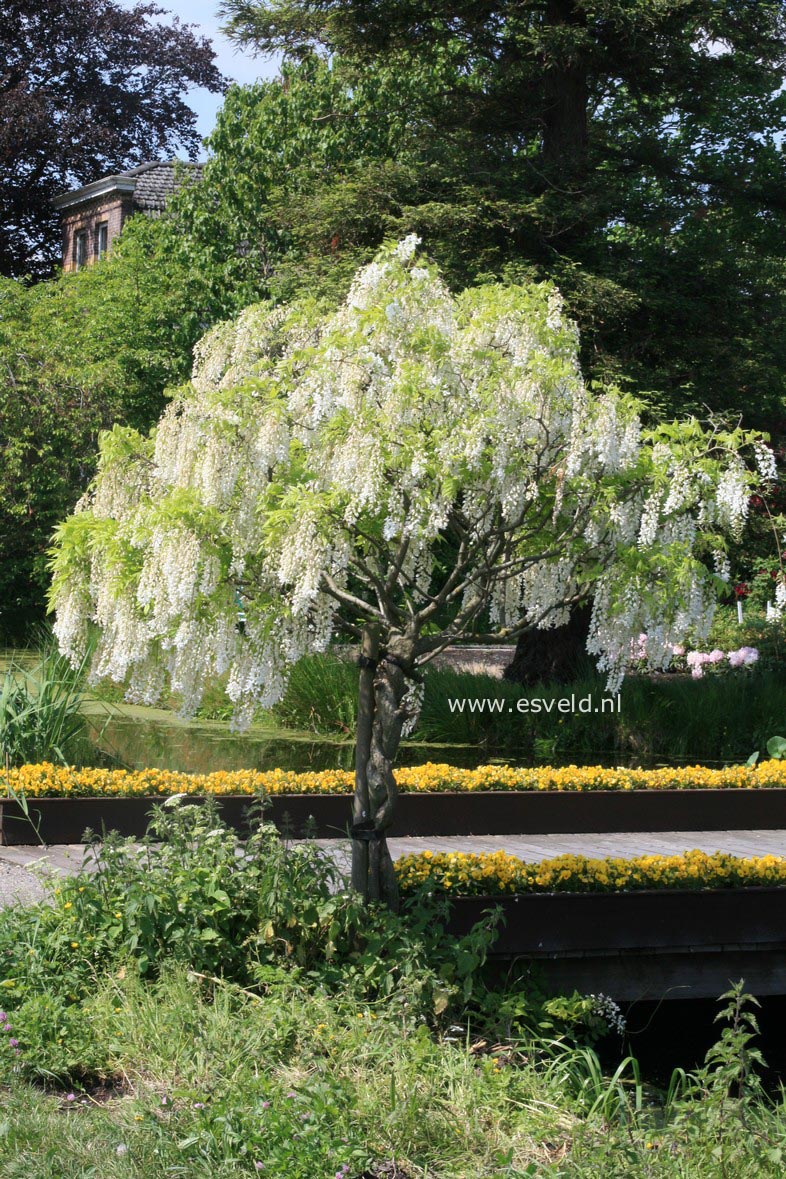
{"points": [[95, 347], [305, 175], [667, 239], [86, 88]]}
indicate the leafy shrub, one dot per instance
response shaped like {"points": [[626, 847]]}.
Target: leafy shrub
{"points": [[761, 586], [767, 636], [78, 353], [250, 911]]}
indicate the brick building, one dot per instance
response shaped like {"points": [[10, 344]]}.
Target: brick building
{"points": [[92, 216]]}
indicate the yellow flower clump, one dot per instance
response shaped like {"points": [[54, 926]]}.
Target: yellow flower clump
{"points": [[58, 781], [498, 873]]}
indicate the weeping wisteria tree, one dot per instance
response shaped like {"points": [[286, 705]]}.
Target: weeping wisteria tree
{"points": [[408, 470]]}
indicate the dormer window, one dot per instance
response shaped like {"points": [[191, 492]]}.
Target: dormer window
{"points": [[81, 248], [93, 215]]}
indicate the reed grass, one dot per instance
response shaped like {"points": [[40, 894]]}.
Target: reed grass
{"points": [[718, 718], [41, 708]]}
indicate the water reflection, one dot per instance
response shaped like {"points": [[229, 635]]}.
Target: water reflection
{"points": [[201, 748]]}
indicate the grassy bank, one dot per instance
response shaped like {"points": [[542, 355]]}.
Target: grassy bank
{"points": [[206, 1082], [672, 718]]}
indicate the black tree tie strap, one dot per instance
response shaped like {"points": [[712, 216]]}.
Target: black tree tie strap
{"points": [[365, 831]]}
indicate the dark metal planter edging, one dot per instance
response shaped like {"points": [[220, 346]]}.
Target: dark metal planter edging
{"points": [[647, 921], [64, 820]]}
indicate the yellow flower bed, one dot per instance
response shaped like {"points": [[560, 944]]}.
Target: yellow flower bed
{"points": [[50, 780], [58, 781], [497, 873]]}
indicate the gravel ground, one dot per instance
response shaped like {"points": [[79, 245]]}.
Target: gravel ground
{"points": [[18, 885], [21, 869]]}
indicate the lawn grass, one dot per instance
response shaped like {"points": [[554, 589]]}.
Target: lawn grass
{"points": [[208, 1072], [206, 1082]]}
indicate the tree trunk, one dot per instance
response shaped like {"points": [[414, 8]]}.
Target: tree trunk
{"points": [[369, 653], [380, 721], [566, 93], [556, 656]]}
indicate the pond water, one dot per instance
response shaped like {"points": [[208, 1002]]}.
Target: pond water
{"points": [[140, 741], [202, 748]]}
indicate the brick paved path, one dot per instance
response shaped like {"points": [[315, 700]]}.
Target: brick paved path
{"points": [[19, 866]]}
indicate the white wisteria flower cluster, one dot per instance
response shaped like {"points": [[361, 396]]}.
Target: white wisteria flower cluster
{"points": [[431, 464]]}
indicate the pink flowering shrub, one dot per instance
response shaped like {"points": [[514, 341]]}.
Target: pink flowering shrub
{"points": [[745, 657], [697, 661]]}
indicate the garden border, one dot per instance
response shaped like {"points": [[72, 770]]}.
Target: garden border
{"points": [[637, 945], [64, 820], [641, 945], [556, 923]]}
